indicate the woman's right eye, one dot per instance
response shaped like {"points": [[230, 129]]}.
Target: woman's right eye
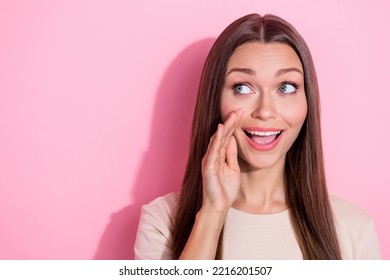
{"points": [[242, 89]]}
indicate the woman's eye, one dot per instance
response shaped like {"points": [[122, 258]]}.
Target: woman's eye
{"points": [[242, 89], [287, 88]]}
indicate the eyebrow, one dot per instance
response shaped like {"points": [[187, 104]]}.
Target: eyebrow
{"points": [[242, 70], [286, 70], [252, 72]]}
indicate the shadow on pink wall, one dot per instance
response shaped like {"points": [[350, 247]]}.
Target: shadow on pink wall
{"points": [[163, 164]]}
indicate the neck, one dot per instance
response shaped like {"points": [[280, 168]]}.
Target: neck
{"points": [[262, 191]]}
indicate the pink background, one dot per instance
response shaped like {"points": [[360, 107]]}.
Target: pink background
{"points": [[96, 100]]}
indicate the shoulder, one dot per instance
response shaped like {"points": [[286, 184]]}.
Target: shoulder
{"points": [[346, 210], [154, 233], [356, 230], [350, 218], [162, 206]]}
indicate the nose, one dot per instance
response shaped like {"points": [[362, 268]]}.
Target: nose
{"points": [[264, 108]]}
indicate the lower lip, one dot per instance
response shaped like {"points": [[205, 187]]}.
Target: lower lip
{"points": [[266, 147]]}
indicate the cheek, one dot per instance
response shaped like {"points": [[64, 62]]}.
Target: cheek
{"points": [[228, 105], [295, 114]]}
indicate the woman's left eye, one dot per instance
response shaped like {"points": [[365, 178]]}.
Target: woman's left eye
{"points": [[287, 88], [242, 89]]}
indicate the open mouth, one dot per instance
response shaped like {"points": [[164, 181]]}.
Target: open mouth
{"points": [[263, 137]]}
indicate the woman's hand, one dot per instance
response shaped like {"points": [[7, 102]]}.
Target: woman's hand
{"points": [[221, 182], [220, 169]]}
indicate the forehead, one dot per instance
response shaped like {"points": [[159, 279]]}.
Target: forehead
{"points": [[263, 56]]}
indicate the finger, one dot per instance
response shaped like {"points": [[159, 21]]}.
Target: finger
{"points": [[232, 119], [211, 155], [230, 127], [216, 150], [211, 141], [231, 154]]}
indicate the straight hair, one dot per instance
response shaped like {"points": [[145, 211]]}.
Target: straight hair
{"points": [[306, 192]]}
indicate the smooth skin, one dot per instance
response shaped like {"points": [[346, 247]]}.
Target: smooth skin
{"points": [[264, 88]]}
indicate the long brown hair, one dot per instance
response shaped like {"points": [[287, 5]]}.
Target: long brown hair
{"points": [[306, 192]]}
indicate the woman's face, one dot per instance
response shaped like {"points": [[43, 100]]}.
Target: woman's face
{"points": [[266, 81]]}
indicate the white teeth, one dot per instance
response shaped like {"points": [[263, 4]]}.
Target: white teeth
{"points": [[264, 133]]}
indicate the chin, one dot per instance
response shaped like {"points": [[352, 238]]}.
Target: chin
{"points": [[254, 163]]}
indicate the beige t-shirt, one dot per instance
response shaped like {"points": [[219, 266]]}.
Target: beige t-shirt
{"points": [[252, 236]]}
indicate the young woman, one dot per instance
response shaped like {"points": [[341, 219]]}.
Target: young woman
{"points": [[254, 186]]}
